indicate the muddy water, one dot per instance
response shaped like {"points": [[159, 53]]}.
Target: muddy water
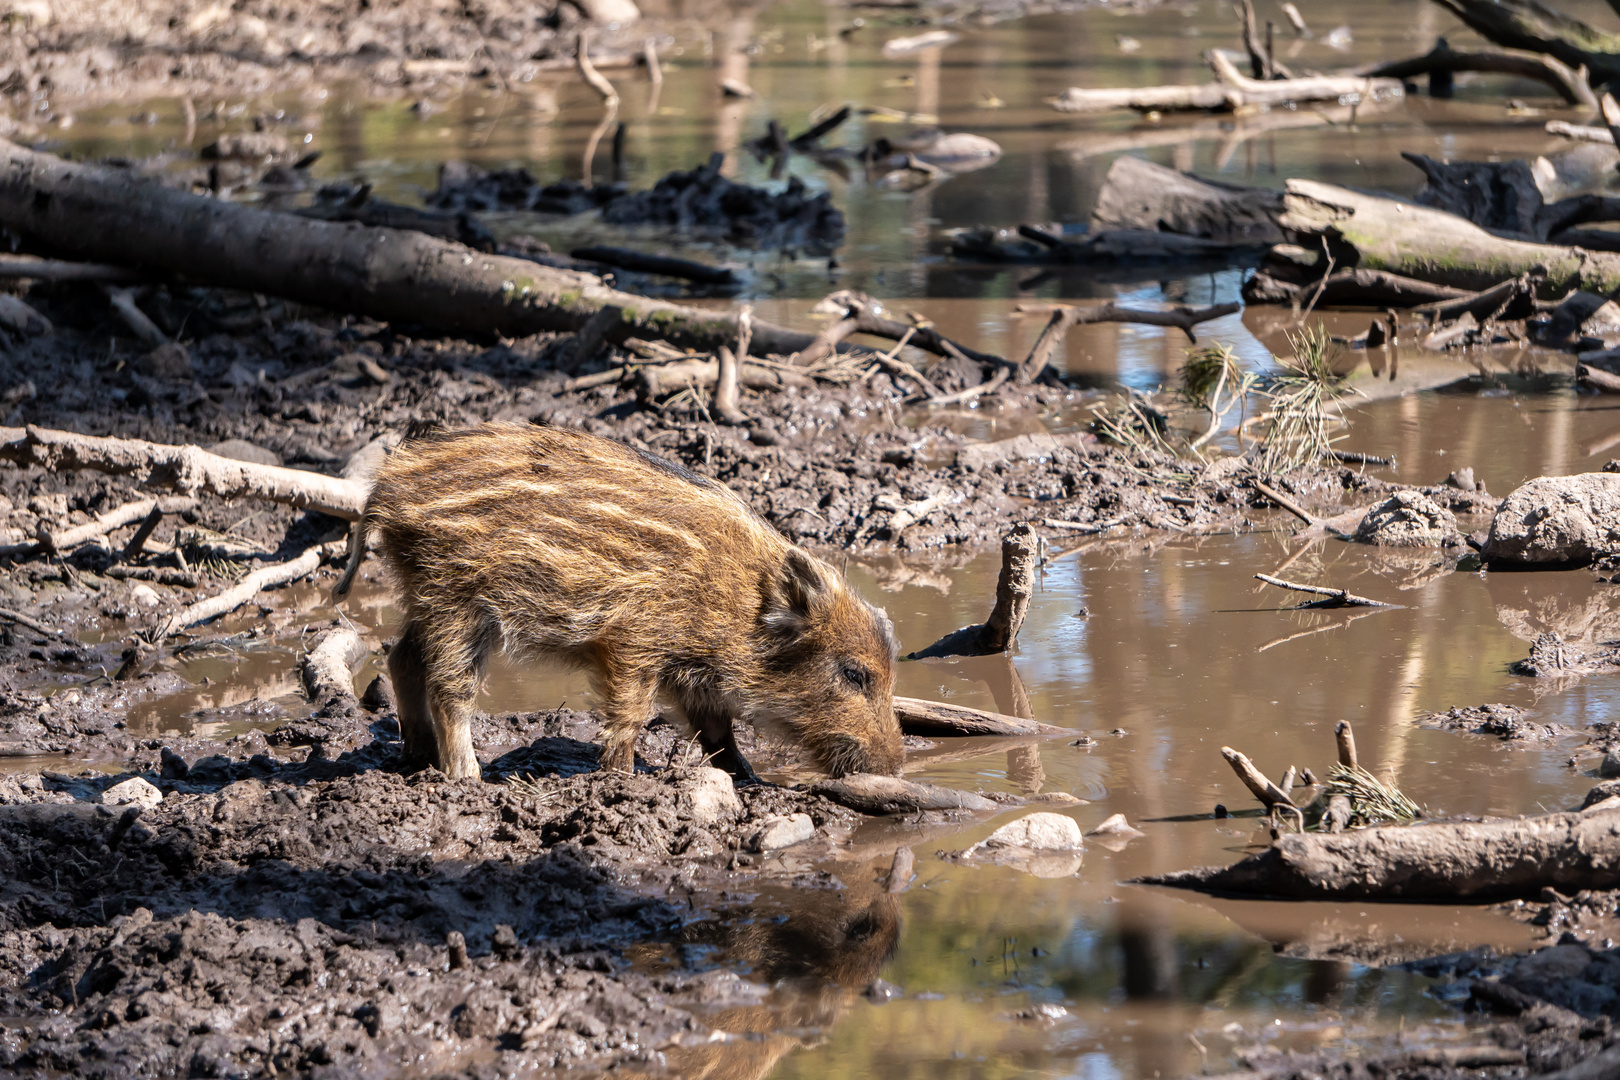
{"points": [[1161, 650]]}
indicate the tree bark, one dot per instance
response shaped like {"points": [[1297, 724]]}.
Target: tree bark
{"points": [[108, 215], [1138, 194], [1472, 861], [1375, 233]]}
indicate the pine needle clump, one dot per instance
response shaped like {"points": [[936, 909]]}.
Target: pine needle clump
{"points": [[1371, 800], [1300, 432]]}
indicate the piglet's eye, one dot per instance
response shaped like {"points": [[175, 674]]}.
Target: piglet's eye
{"points": [[855, 676]]}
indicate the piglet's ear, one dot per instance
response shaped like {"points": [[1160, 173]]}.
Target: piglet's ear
{"points": [[800, 585]]}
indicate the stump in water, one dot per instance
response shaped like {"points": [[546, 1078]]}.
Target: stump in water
{"points": [[998, 632]]}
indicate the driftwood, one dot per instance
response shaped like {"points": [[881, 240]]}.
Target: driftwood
{"points": [[108, 215], [1344, 737], [243, 591], [187, 469], [7, 615], [1483, 860], [327, 669], [1444, 60], [1505, 198], [1232, 91], [1431, 245], [934, 718], [872, 794], [1014, 586]]}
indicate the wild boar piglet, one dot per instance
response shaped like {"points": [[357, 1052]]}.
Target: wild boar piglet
{"points": [[551, 543]]}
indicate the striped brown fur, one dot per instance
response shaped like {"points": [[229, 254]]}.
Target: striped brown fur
{"points": [[551, 543]]}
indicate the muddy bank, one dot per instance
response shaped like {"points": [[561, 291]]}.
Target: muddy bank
{"points": [[59, 52], [300, 907]]}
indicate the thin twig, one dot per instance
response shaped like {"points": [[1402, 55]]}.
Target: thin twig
{"points": [[1336, 597]]}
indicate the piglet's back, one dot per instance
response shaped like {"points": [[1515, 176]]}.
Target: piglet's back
{"points": [[510, 515]]}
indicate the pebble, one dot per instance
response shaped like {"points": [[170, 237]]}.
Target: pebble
{"points": [[782, 832], [132, 792]]}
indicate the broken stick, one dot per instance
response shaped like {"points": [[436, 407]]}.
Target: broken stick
{"points": [[66, 539], [1013, 589], [1256, 781], [1346, 739], [245, 590], [1335, 597]]}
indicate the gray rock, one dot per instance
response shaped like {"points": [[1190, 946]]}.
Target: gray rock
{"points": [[708, 797], [782, 832], [1409, 519], [1558, 519], [1610, 765], [1038, 832], [132, 792], [1606, 790]]}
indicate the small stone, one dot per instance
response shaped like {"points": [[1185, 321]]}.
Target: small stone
{"points": [[144, 595], [379, 696], [1038, 832], [1610, 766], [1116, 825], [710, 797], [1220, 810], [132, 792], [504, 942], [782, 832]]}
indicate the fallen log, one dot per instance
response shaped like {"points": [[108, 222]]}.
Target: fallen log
{"points": [[1540, 67], [935, 718], [17, 617], [655, 380], [190, 470], [1476, 860], [1138, 194], [110, 215], [1232, 91], [1014, 586], [1259, 785], [663, 265], [1378, 233], [871, 794]]}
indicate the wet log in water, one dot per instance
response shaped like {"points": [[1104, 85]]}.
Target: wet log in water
{"points": [[1475, 860], [871, 794], [933, 718], [1431, 245]]}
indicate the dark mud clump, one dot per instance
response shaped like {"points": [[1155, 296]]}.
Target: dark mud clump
{"points": [[698, 203], [271, 914], [1551, 657], [1503, 722]]}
